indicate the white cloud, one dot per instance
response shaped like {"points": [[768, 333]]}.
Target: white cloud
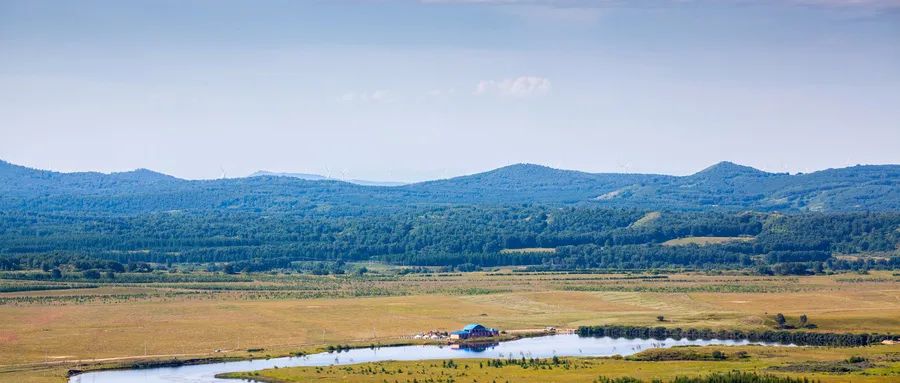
{"points": [[524, 86], [585, 15], [377, 96], [381, 96]]}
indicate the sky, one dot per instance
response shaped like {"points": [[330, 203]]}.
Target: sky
{"points": [[413, 90]]}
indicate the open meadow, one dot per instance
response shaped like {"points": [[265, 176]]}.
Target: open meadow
{"points": [[44, 333], [870, 364]]}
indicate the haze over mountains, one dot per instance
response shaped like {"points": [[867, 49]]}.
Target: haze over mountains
{"points": [[725, 186], [316, 177]]}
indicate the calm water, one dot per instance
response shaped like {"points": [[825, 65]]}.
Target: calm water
{"points": [[541, 347]]}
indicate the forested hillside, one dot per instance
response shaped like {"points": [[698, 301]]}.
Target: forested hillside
{"points": [[528, 215], [725, 186], [464, 238]]}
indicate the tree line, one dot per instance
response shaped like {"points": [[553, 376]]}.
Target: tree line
{"points": [[800, 338], [574, 238]]}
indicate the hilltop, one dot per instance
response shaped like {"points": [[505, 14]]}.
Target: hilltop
{"points": [[722, 186], [316, 177]]}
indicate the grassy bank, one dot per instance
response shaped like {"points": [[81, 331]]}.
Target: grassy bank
{"points": [[874, 364]]}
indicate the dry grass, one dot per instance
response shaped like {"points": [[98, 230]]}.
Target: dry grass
{"points": [[588, 369], [197, 324], [646, 219]]}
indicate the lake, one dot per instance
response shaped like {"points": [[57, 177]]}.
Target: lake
{"points": [[538, 347]]}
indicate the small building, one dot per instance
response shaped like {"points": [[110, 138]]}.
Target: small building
{"points": [[474, 330]]}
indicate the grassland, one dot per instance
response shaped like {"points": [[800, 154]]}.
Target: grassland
{"points": [[43, 333], [646, 219], [880, 364]]}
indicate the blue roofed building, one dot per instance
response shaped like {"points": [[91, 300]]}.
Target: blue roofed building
{"points": [[474, 330]]}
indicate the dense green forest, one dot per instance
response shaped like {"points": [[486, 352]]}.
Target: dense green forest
{"points": [[462, 237], [99, 224]]}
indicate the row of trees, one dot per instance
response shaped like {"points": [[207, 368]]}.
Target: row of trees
{"points": [[800, 338], [721, 377]]}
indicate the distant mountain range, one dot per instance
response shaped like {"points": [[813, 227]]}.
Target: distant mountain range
{"points": [[725, 186], [316, 177]]}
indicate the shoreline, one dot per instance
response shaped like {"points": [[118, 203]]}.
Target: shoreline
{"points": [[489, 341], [175, 362]]}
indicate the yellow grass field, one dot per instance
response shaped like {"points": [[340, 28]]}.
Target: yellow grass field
{"points": [[41, 338], [646, 219], [575, 370]]}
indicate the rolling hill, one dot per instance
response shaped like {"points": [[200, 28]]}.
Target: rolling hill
{"points": [[724, 186], [316, 177]]}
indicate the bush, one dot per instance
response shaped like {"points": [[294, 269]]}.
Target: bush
{"points": [[91, 274]]}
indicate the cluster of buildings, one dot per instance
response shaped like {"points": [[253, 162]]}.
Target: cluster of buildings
{"points": [[433, 334], [471, 331], [474, 330]]}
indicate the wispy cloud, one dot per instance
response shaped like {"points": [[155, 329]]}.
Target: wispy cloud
{"points": [[585, 15], [524, 86], [377, 96]]}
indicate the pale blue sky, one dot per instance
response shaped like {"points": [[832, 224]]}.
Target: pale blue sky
{"points": [[413, 90]]}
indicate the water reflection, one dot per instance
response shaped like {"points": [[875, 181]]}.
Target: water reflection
{"points": [[540, 347], [474, 347]]}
